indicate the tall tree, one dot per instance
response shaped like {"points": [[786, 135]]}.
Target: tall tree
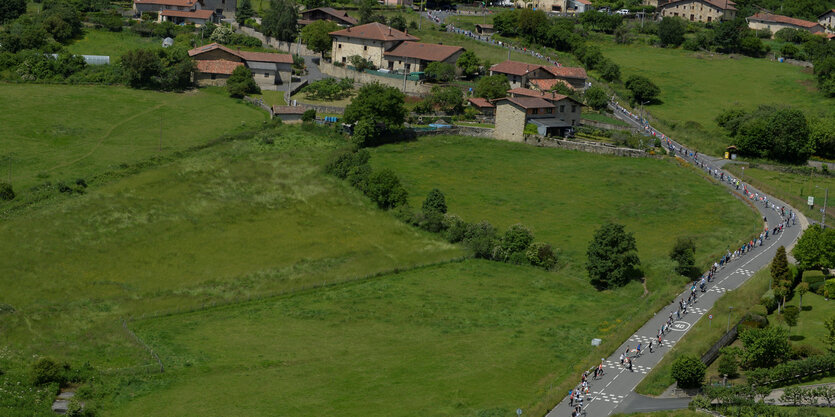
{"points": [[11, 9], [280, 20], [612, 257], [244, 11], [316, 36], [241, 83], [642, 89], [492, 87], [684, 254], [366, 11], [469, 63], [815, 249], [671, 31]]}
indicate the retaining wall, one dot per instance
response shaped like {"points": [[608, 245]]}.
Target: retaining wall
{"points": [[546, 142], [413, 88], [267, 41]]}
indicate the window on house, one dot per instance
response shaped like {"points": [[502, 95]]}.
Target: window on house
{"points": [[574, 109], [534, 111], [549, 110], [562, 108], [213, 76], [708, 18], [339, 46], [266, 74], [365, 47], [691, 17], [343, 59]]}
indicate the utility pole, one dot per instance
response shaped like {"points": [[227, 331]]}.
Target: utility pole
{"points": [[823, 213]]}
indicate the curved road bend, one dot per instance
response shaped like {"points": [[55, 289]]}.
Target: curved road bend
{"points": [[606, 393]]}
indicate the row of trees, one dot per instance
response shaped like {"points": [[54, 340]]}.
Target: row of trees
{"points": [[780, 133]]}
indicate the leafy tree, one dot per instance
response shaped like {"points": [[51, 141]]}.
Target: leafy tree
{"points": [[822, 135], [599, 21], [684, 254], [62, 21], [492, 87], [542, 255], [790, 133], [731, 120], [516, 239], [365, 133], [366, 10], [780, 266], [671, 31], [728, 35], [6, 191], [612, 257], [642, 89], [379, 103], [507, 22], [469, 64], [316, 35], [435, 201], [829, 339], [46, 370], [765, 347], [688, 371], [480, 238], [309, 115], [360, 63], [609, 71], [280, 20], [802, 289], [241, 83], [531, 22], [596, 97], [398, 22], [384, 188], [449, 99], [244, 11], [11, 9], [313, 4], [440, 71], [728, 364], [815, 249], [790, 314], [752, 46], [221, 34], [140, 66], [454, 228]]}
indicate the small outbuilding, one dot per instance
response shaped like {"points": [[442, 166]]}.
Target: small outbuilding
{"points": [[484, 29], [290, 114], [483, 105]]}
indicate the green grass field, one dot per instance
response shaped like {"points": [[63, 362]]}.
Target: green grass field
{"points": [[471, 338], [273, 98], [604, 118], [56, 133], [235, 221], [810, 329], [793, 189], [113, 44], [468, 22], [563, 196], [697, 86]]}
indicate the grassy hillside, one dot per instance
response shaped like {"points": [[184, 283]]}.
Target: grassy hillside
{"points": [[471, 338], [244, 219], [697, 86], [56, 133], [564, 196]]}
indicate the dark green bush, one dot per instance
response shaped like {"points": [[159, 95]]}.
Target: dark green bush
{"points": [[688, 371], [6, 191]]}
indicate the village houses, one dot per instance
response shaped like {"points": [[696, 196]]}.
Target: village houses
{"points": [[699, 10], [827, 20], [215, 63], [196, 12], [775, 22], [521, 74], [370, 41], [340, 17]]}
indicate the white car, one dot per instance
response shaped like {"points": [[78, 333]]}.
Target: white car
{"points": [[622, 12]]}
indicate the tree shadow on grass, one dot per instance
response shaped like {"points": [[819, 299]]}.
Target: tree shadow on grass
{"points": [[807, 308], [796, 338]]}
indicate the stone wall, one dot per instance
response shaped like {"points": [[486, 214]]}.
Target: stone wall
{"points": [[548, 142], [510, 122], [323, 109], [414, 88], [288, 47]]}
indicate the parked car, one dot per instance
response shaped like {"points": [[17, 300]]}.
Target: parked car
{"points": [[623, 12]]}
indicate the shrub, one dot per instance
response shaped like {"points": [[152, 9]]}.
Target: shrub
{"points": [[829, 288], [769, 301], [309, 115], [688, 371], [596, 97], [241, 83], [454, 228], [435, 202], [612, 257], [684, 254], [6, 191], [480, 238], [384, 188], [343, 162], [787, 373], [360, 63], [790, 314], [517, 239], [542, 255], [47, 371], [440, 71], [728, 365]]}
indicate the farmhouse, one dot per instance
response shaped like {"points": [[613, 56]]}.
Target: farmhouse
{"points": [[197, 17], [415, 56], [548, 84], [218, 7], [288, 113], [216, 62], [519, 73], [340, 17], [699, 10], [775, 22], [574, 76], [827, 19], [552, 114], [567, 110], [157, 6], [484, 29], [370, 41], [550, 6]]}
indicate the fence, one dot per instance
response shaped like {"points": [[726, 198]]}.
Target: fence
{"points": [[411, 87], [725, 340], [608, 126], [260, 103], [141, 343]]}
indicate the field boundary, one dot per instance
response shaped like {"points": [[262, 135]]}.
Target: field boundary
{"points": [[144, 345]]}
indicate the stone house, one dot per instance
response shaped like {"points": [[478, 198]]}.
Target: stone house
{"points": [[484, 29], [225, 8], [483, 105], [547, 84], [775, 22], [827, 19], [575, 76], [157, 6], [548, 6], [290, 114], [370, 41], [196, 17], [340, 17], [580, 6], [566, 114], [519, 73], [268, 69], [513, 113], [415, 56], [699, 10]]}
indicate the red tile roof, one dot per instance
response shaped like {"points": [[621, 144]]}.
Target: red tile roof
{"points": [[217, 66], [528, 102], [424, 51], [776, 18], [374, 31], [289, 109], [339, 14], [514, 67], [719, 4], [266, 57], [181, 3], [480, 102], [484, 25], [210, 47], [527, 92], [586, 2], [547, 84], [567, 72], [197, 14]]}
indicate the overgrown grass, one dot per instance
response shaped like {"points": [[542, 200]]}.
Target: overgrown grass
{"points": [[705, 333], [471, 338], [241, 220], [697, 86], [113, 44], [604, 118], [59, 133], [792, 188]]}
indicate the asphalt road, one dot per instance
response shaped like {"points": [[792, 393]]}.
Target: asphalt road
{"points": [[615, 386]]}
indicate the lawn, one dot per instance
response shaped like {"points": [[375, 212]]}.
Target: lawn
{"points": [[470, 338], [272, 98], [564, 195], [810, 329], [792, 188], [468, 22], [302, 97], [604, 118], [59, 133], [113, 44], [697, 86], [239, 220]]}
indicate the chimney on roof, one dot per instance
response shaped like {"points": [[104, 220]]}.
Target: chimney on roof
{"points": [[389, 30]]}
